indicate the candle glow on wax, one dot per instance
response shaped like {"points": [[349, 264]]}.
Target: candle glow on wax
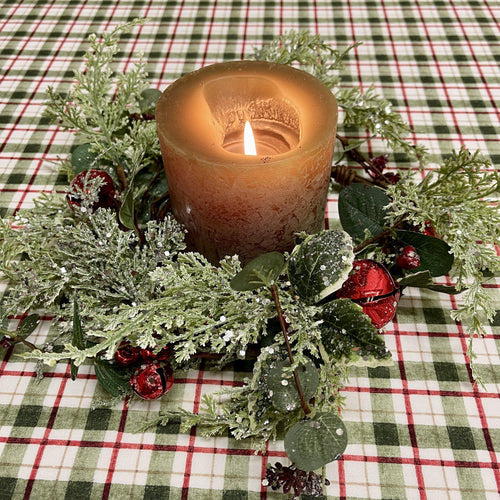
{"points": [[249, 140]]}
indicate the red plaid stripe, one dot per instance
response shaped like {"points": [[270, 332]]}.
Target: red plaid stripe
{"points": [[411, 424], [116, 447], [44, 441], [190, 449], [479, 404]]}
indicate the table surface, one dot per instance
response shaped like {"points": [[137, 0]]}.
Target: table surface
{"points": [[418, 429]]}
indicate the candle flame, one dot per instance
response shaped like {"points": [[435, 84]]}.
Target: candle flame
{"points": [[249, 141]]}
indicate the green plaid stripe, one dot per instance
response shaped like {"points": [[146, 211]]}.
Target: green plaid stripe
{"points": [[417, 429]]}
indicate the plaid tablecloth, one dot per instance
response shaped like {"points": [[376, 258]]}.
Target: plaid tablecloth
{"points": [[419, 429]]}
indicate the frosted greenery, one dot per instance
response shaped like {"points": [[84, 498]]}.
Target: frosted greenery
{"points": [[156, 295], [247, 411], [374, 113], [457, 199], [307, 51], [101, 107], [53, 254], [133, 291]]}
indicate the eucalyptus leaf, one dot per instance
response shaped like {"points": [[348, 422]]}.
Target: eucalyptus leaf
{"points": [[113, 380], [347, 332], [82, 158], [261, 271], [282, 388], [126, 215], [362, 208], [155, 187], [423, 279], [28, 325], [434, 253], [149, 98], [315, 442], [320, 264]]}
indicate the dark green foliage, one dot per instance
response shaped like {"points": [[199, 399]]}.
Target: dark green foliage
{"points": [[346, 332]]}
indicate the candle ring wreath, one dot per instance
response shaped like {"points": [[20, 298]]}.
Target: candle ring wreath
{"points": [[108, 263]]}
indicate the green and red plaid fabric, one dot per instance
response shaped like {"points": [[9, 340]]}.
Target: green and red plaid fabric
{"points": [[419, 429]]}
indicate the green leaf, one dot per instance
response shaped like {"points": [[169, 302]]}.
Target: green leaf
{"points": [[346, 332], [423, 279], [434, 253], [154, 187], [282, 388], [82, 158], [262, 271], [312, 443], [77, 327], [127, 215], [113, 380], [149, 98], [320, 264], [362, 208], [77, 337], [28, 325], [488, 274]]}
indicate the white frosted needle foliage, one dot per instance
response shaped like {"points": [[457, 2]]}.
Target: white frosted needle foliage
{"points": [[100, 103], [79, 254], [458, 200], [152, 294]]}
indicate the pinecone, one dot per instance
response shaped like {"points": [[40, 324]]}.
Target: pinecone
{"points": [[302, 482]]}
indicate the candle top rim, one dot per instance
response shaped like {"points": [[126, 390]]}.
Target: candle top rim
{"points": [[312, 98]]}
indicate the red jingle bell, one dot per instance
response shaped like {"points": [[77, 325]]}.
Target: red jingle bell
{"points": [[152, 380], [372, 286], [78, 189]]}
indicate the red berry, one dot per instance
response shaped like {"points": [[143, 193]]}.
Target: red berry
{"points": [[408, 258], [79, 187], [392, 178], [372, 286], [377, 166], [379, 162], [152, 380], [127, 354], [163, 355], [429, 230]]}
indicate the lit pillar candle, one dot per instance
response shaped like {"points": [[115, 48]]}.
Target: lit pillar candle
{"points": [[247, 204]]}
